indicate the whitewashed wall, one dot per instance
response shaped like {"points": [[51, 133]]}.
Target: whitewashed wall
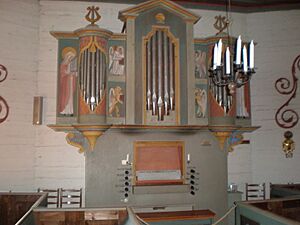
{"points": [[18, 53], [277, 35]]}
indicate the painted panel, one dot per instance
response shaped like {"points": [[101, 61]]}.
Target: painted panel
{"points": [[67, 78], [201, 58], [116, 101]]}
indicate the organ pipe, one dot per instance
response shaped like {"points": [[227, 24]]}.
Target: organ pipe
{"points": [[154, 75], [166, 73], [92, 76], [171, 62], [148, 75], [160, 74]]}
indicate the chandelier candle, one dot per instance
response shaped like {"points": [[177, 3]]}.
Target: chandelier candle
{"points": [[220, 48], [215, 56], [238, 50], [227, 60], [223, 73], [245, 59], [251, 55]]}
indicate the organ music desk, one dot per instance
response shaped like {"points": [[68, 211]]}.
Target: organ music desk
{"points": [[192, 217]]}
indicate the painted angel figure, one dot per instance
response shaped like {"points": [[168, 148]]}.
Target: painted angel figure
{"points": [[114, 101], [116, 64], [200, 64], [67, 81], [200, 102]]}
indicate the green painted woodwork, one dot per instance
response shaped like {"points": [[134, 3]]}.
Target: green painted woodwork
{"points": [[143, 25], [280, 192], [183, 222], [262, 217]]}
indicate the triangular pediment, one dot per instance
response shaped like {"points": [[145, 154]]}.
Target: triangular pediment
{"points": [[168, 5]]}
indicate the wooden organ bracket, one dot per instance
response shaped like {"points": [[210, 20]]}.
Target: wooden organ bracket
{"points": [[230, 136], [85, 137], [222, 137]]}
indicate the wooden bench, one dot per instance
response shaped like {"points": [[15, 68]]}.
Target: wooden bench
{"points": [[192, 217]]}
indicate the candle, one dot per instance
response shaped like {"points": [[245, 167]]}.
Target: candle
{"points": [[238, 50], [127, 158], [188, 157], [245, 61], [215, 56], [227, 61], [219, 52], [251, 56]]}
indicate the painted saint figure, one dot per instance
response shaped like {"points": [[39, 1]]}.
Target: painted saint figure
{"points": [[116, 60], [241, 109], [200, 102], [200, 64], [67, 81]]}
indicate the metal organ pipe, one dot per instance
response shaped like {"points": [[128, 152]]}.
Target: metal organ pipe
{"points": [[93, 81], [166, 73], [160, 75], [154, 96], [172, 92], [85, 73], [88, 78], [101, 65], [97, 77], [148, 75]]}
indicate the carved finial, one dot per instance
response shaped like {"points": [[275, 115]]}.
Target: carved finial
{"points": [[160, 18], [221, 23], [92, 16]]}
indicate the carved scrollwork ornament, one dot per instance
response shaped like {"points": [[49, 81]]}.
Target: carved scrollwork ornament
{"points": [[3, 73], [285, 117], [4, 108]]}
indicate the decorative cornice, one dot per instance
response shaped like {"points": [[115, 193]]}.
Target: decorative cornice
{"points": [[136, 10], [62, 34], [118, 36]]}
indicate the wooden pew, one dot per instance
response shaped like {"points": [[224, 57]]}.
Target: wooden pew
{"points": [[179, 217], [13, 206], [82, 216]]}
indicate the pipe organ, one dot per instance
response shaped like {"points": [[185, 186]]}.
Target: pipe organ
{"points": [[160, 63], [156, 73], [147, 87]]}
